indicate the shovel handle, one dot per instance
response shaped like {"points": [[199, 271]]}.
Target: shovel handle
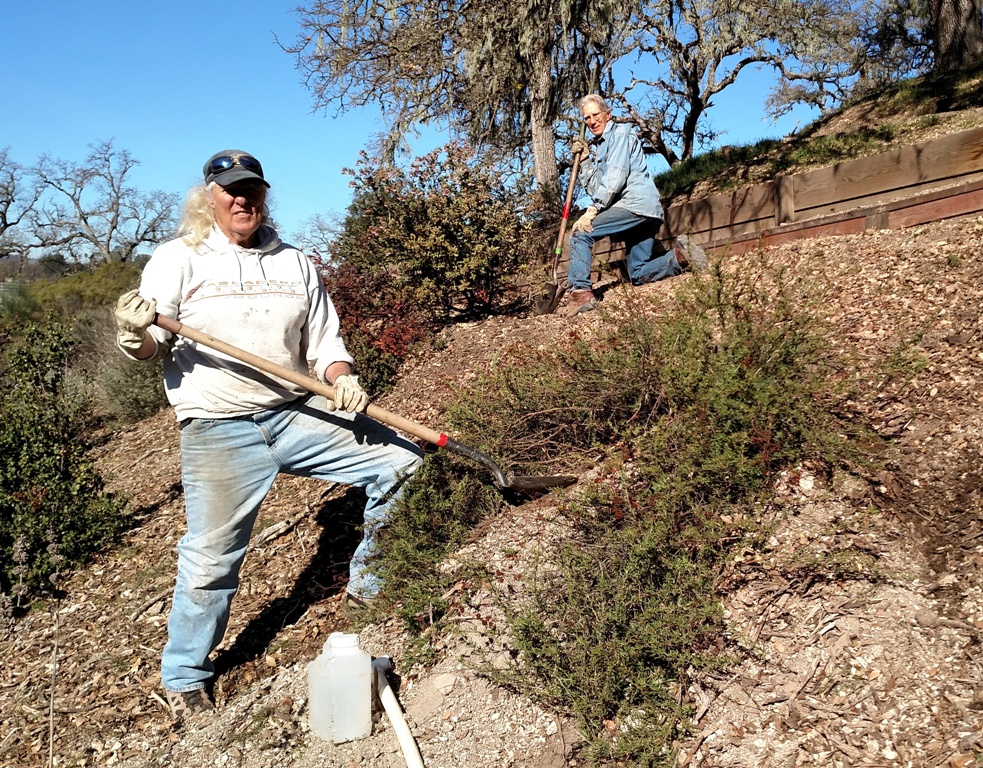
{"points": [[558, 251], [566, 205], [306, 382]]}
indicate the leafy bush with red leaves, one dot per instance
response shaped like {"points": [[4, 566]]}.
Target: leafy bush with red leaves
{"points": [[379, 325], [448, 234]]}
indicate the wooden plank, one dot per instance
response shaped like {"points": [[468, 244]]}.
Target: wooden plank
{"points": [[722, 211], [825, 189], [935, 210], [853, 184], [887, 196]]}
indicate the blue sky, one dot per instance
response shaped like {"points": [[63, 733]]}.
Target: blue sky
{"points": [[174, 82]]}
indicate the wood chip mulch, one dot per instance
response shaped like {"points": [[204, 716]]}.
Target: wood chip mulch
{"points": [[855, 631]]}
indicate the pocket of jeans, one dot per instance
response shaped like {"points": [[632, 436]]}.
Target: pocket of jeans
{"points": [[194, 427]]}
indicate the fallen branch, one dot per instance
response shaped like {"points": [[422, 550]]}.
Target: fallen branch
{"points": [[278, 529], [163, 595]]}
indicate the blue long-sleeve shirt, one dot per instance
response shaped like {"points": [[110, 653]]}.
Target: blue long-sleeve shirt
{"points": [[617, 174]]}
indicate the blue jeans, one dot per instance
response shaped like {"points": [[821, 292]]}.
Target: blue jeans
{"points": [[638, 234], [227, 467]]}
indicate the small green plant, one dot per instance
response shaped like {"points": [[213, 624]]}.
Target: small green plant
{"points": [[849, 563], [128, 390], [443, 502], [905, 362], [825, 150], [719, 165], [622, 611]]}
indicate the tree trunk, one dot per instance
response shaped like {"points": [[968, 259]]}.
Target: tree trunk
{"points": [[543, 142], [957, 33]]}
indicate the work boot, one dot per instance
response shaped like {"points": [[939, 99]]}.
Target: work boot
{"points": [[689, 255], [580, 302], [188, 704]]}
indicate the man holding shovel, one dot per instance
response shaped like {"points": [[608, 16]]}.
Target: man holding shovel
{"points": [[230, 275], [624, 203]]}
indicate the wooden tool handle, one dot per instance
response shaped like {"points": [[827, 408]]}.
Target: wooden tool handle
{"points": [[311, 385]]}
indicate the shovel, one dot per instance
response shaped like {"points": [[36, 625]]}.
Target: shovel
{"points": [[509, 481], [549, 299]]}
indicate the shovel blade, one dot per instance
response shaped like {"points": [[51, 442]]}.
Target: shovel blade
{"points": [[549, 299], [534, 484]]}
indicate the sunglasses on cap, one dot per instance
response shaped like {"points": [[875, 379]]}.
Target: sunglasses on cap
{"points": [[228, 162]]}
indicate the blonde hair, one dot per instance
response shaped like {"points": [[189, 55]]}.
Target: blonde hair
{"points": [[198, 216], [597, 100]]}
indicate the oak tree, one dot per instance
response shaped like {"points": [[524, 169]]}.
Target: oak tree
{"points": [[498, 74], [18, 197], [91, 210], [957, 33]]}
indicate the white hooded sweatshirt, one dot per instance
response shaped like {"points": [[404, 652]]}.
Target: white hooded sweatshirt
{"points": [[267, 300]]}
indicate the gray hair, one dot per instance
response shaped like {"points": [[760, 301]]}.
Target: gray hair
{"points": [[597, 100], [198, 216]]}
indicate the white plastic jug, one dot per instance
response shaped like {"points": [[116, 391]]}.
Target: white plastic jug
{"points": [[340, 690]]}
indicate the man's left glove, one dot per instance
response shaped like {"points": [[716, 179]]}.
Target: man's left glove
{"points": [[349, 395], [134, 315], [585, 222]]}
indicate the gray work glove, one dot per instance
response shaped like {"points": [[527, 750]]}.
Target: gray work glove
{"points": [[579, 147], [134, 315], [585, 222], [349, 395]]}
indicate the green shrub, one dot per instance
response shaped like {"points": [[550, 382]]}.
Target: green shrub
{"points": [[446, 232], [733, 376], [623, 612], [16, 305], [115, 385], [443, 501], [696, 405], [129, 390], [48, 484], [94, 288]]}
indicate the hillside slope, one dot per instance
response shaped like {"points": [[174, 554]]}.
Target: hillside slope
{"points": [[856, 629]]}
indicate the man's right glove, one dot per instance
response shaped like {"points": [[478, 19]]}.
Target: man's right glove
{"points": [[579, 147], [585, 222], [134, 315], [349, 395]]}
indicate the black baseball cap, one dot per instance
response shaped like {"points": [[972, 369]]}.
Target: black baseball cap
{"points": [[232, 165]]}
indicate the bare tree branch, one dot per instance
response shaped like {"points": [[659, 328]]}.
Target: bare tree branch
{"points": [[18, 198], [93, 211]]}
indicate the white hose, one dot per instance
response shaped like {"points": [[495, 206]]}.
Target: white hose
{"points": [[411, 752]]}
